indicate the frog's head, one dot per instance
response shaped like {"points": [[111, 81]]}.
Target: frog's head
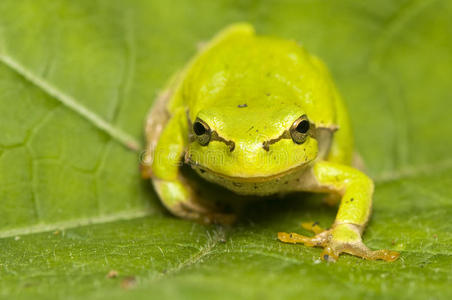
{"points": [[246, 143], [257, 107]]}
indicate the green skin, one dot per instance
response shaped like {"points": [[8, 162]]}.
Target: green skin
{"points": [[249, 92]]}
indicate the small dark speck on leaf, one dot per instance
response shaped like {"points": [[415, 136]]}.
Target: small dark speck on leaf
{"points": [[128, 282], [29, 284], [351, 200], [112, 274], [242, 105]]}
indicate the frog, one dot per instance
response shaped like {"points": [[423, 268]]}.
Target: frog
{"points": [[259, 115]]}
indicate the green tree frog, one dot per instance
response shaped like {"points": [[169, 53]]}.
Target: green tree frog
{"points": [[259, 116]]}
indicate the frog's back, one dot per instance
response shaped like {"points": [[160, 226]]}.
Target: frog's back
{"points": [[269, 77], [240, 68]]}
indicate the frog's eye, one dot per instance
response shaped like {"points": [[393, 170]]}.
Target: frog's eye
{"points": [[300, 130], [202, 131]]}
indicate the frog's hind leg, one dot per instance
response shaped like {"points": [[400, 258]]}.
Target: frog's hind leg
{"points": [[181, 200], [341, 149], [156, 120], [166, 133]]}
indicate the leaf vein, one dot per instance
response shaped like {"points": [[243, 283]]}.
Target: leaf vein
{"points": [[129, 66], [396, 23], [70, 102], [197, 257], [126, 215]]}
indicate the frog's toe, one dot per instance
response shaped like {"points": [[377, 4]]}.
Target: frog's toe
{"points": [[366, 253], [346, 238], [329, 254], [357, 248], [319, 240], [292, 238], [312, 226]]}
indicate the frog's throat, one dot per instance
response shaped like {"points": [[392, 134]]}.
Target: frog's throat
{"points": [[253, 179]]}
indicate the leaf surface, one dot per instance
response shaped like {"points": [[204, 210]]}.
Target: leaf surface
{"points": [[76, 81]]}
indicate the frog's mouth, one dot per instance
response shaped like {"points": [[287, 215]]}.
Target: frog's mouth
{"points": [[206, 172]]}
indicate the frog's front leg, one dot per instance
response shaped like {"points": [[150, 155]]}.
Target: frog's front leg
{"points": [[344, 236], [176, 194]]}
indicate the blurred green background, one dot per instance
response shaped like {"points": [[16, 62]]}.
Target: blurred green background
{"points": [[73, 206]]}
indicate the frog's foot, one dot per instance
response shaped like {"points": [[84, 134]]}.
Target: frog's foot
{"points": [[342, 238], [181, 201]]}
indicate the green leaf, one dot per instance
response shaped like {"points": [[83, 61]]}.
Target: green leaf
{"points": [[76, 81]]}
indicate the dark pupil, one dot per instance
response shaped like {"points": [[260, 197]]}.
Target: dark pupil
{"points": [[199, 129], [303, 126]]}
